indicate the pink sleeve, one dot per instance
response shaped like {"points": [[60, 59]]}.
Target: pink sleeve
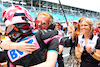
{"points": [[11, 65]]}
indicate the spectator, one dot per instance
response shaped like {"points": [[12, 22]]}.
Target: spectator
{"points": [[75, 31], [71, 29], [87, 45], [61, 45], [98, 24], [64, 25], [59, 28], [97, 29]]}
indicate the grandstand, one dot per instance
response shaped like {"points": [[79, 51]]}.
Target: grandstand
{"points": [[36, 6]]}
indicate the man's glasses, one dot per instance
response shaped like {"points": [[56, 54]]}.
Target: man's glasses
{"points": [[98, 27], [41, 22]]}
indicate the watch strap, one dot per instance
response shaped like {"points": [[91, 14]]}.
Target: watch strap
{"points": [[92, 53]]}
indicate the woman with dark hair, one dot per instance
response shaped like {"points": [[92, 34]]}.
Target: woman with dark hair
{"points": [[61, 45]]}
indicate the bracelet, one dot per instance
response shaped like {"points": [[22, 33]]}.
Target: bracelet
{"points": [[92, 53]]}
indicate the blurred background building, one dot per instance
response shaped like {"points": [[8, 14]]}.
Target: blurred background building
{"points": [[72, 12]]}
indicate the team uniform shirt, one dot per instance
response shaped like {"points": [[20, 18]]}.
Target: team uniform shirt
{"points": [[87, 59]]}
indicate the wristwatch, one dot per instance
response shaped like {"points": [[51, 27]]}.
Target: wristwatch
{"points": [[92, 53]]}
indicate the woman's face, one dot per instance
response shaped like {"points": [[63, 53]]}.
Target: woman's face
{"points": [[85, 27], [58, 27]]}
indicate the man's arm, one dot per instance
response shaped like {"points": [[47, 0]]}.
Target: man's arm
{"points": [[52, 54], [21, 46], [50, 61], [61, 46], [60, 49]]}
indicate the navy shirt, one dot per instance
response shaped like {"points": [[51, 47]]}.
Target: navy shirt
{"points": [[3, 57], [60, 58]]}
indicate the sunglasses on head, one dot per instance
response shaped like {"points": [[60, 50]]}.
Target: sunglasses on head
{"points": [[42, 22], [98, 27]]}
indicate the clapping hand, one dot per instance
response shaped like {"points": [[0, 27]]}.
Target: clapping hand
{"points": [[89, 49], [80, 48]]}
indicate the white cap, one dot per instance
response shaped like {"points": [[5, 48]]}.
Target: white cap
{"points": [[75, 21]]}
